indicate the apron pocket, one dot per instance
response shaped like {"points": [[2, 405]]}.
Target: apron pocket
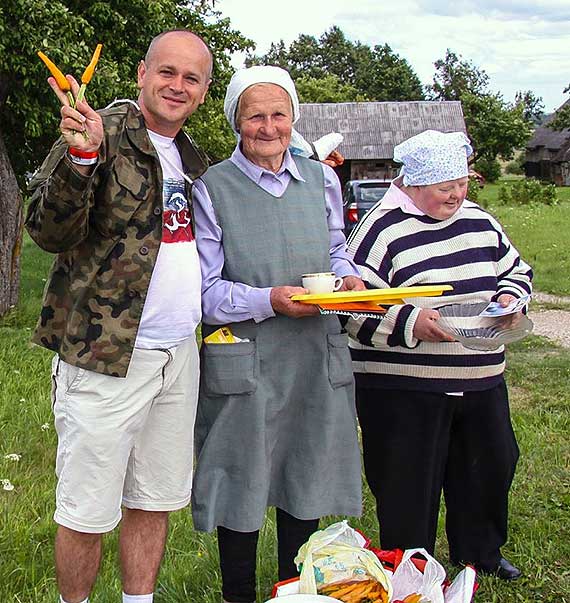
{"points": [[228, 368], [340, 365]]}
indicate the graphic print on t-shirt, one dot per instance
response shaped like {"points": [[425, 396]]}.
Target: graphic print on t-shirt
{"points": [[176, 222]]}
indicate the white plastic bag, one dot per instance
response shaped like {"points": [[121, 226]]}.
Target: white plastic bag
{"points": [[408, 579], [461, 589], [336, 554]]}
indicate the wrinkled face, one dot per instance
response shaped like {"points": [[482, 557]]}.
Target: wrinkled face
{"points": [[173, 82], [441, 200], [264, 121]]}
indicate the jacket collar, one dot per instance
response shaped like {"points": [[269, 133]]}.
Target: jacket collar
{"points": [[194, 161]]}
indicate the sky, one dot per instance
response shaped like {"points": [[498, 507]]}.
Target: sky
{"points": [[521, 44]]}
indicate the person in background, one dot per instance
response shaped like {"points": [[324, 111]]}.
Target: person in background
{"points": [[276, 422], [434, 414], [121, 308]]}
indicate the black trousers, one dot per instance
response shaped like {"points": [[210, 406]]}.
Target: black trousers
{"points": [[238, 552], [417, 444]]}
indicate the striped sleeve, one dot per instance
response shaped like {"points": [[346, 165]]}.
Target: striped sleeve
{"points": [[373, 258], [514, 275]]}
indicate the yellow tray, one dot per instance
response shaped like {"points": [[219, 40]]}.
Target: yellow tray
{"points": [[392, 296]]}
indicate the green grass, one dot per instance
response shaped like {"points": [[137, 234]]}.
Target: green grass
{"points": [[540, 233], [539, 541]]}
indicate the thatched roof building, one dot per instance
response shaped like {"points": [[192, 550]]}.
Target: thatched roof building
{"points": [[548, 154], [371, 130]]}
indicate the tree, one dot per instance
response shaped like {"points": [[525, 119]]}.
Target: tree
{"points": [[68, 31], [328, 89], [454, 77], [561, 119], [496, 128], [376, 74], [533, 106]]}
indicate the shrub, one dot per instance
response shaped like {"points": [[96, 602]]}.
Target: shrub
{"points": [[527, 191], [473, 190], [515, 167], [489, 168]]}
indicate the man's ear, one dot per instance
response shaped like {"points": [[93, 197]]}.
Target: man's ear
{"points": [[141, 71]]}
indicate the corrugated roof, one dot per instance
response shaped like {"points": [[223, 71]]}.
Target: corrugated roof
{"points": [[372, 130]]}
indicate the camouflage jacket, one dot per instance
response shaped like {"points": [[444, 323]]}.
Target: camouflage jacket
{"points": [[106, 230]]}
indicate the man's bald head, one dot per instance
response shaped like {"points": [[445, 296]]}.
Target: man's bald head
{"points": [[155, 42]]}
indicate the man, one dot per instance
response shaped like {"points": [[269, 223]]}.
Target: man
{"points": [[120, 310]]}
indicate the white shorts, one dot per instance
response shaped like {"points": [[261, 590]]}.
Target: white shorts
{"points": [[125, 440]]}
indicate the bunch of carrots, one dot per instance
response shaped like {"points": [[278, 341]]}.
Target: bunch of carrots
{"points": [[61, 80], [356, 591]]}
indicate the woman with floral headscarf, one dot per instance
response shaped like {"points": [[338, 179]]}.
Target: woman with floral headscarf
{"points": [[434, 414], [276, 423]]}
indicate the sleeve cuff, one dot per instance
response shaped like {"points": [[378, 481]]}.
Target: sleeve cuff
{"points": [[402, 334], [259, 303]]}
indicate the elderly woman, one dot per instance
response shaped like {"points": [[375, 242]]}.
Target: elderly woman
{"points": [[276, 422], [434, 414]]}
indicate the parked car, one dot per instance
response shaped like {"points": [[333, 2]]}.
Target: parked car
{"points": [[358, 197]]}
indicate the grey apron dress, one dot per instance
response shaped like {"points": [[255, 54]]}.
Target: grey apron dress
{"points": [[276, 421]]}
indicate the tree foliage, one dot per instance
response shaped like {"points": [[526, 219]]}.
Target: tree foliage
{"points": [[561, 119], [362, 72], [328, 89], [68, 31], [533, 107], [496, 128]]}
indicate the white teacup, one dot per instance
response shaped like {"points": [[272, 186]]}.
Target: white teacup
{"points": [[321, 282]]}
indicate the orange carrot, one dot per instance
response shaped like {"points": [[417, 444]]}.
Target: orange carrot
{"points": [[90, 69], [88, 73], [57, 74]]}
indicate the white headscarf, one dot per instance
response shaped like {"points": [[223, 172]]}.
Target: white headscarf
{"points": [[432, 157], [259, 74]]}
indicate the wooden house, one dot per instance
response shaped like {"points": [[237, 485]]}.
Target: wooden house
{"points": [[371, 130], [548, 154]]}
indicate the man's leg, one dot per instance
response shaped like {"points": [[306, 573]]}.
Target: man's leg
{"points": [[159, 473], [141, 545], [77, 558]]}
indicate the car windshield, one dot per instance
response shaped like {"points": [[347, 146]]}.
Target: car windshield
{"points": [[371, 193]]}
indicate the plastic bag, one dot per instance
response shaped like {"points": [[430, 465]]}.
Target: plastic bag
{"points": [[321, 148], [336, 554], [407, 578], [462, 588]]}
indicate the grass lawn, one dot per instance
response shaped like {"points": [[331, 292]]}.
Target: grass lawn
{"points": [[540, 233], [539, 542]]}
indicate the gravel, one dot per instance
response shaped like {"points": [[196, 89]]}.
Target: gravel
{"points": [[554, 324]]}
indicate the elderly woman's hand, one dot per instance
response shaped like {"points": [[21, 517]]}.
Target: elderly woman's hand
{"points": [[280, 298], [352, 283], [427, 329], [510, 320]]}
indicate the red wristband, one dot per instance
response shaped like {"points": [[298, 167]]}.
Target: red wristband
{"points": [[83, 154]]}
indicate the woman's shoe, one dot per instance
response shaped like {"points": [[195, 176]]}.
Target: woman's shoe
{"points": [[505, 570]]}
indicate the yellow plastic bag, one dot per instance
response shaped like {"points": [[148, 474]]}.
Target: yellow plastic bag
{"points": [[335, 554]]}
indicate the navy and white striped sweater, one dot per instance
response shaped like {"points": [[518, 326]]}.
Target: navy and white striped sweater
{"points": [[469, 251]]}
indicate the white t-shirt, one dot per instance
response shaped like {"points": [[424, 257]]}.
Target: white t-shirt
{"points": [[172, 308]]}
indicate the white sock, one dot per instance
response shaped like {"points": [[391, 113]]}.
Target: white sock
{"points": [[62, 600], [138, 598]]}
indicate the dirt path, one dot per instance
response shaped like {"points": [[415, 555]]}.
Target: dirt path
{"points": [[554, 324]]}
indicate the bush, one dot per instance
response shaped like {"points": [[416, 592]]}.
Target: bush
{"points": [[515, 167], [527, 191], [489, 168], [473, 190]]}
